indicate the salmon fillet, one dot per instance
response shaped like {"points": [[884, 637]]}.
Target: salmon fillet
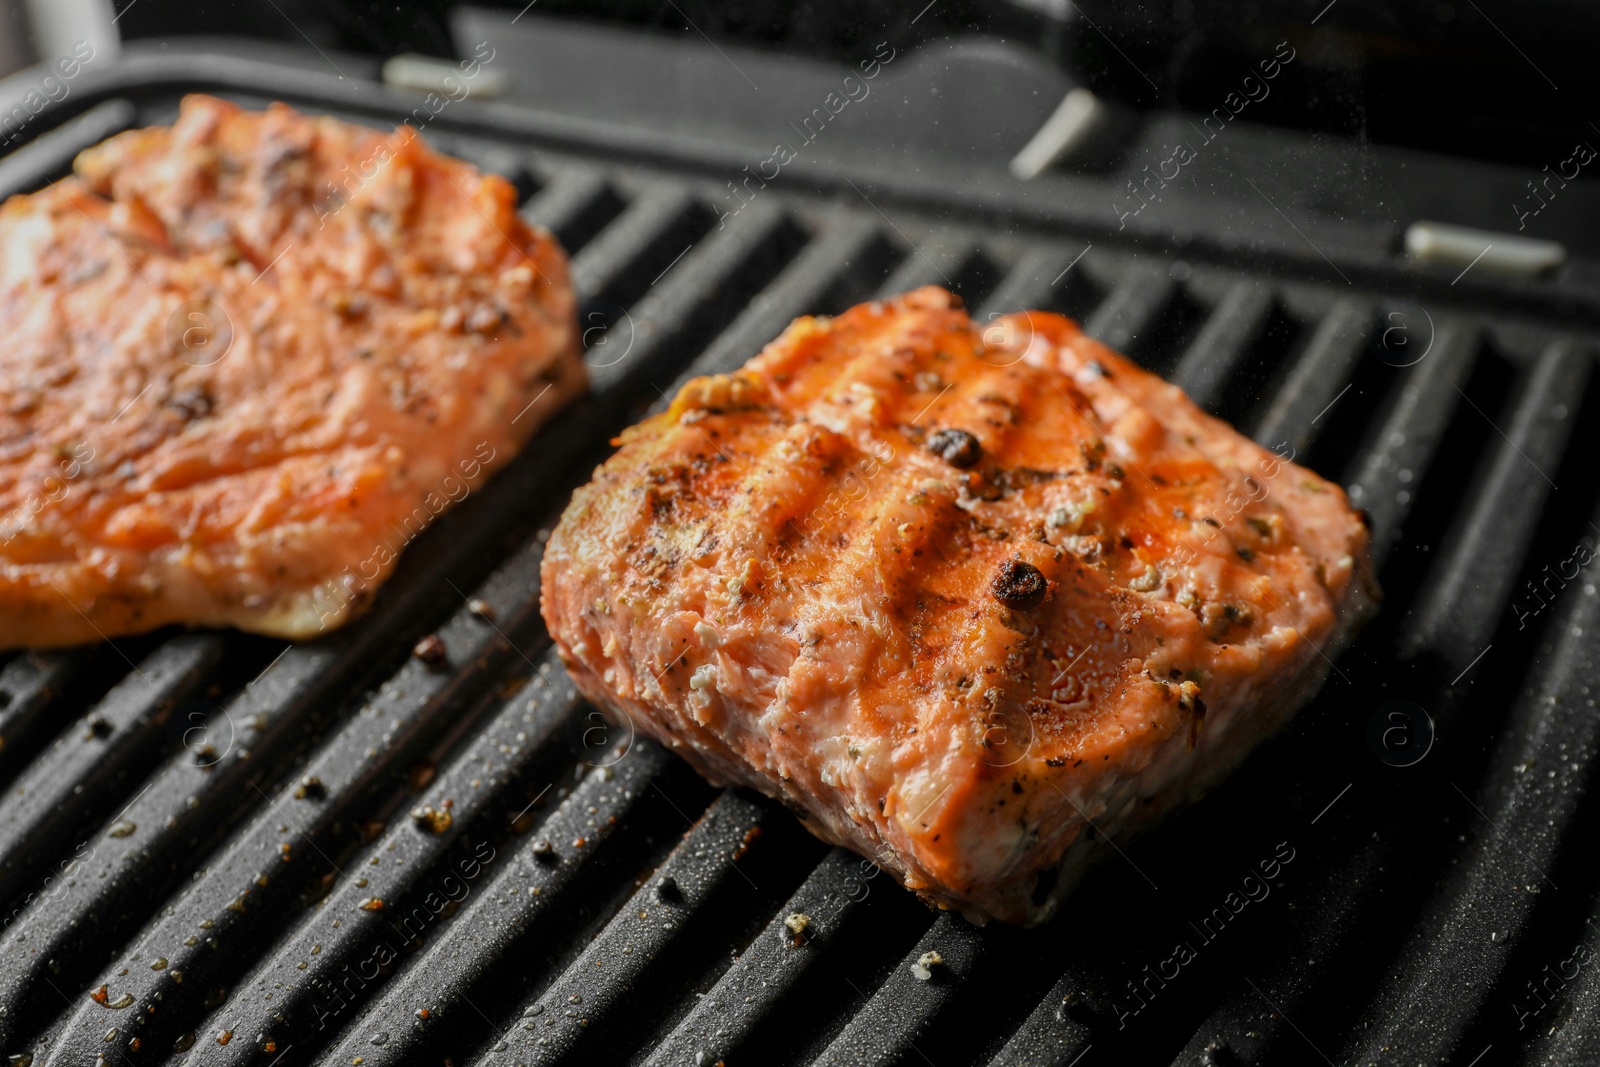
{"points": [[248, 359], [953, 596]]}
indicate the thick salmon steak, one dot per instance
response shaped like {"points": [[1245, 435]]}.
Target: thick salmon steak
{"points": [[248, 358], [955, 595]]}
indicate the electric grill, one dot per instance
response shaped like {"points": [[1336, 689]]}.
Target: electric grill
{"points": [[215, 848]]}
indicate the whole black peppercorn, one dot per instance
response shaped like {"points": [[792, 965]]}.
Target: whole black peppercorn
{"points": [[430, 650], [1018, 584], [956, 447]]}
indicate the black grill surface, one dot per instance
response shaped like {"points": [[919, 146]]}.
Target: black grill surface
{"points": [[217, 849]]}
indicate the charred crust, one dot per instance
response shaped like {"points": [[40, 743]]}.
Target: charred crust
{"points": [[1014, 478], [1189, 701], [192, 404]]}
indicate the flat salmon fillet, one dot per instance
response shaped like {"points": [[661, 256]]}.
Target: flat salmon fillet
{"points": [[953, 595], [248, 359]]}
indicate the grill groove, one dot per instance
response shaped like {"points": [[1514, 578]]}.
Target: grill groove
{"points": [[1223, 342], [93, 763]]}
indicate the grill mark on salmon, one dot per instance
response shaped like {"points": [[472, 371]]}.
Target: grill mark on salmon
{"points": [[1086, 601]]}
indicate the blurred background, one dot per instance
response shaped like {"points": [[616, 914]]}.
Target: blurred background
{"points": [[1382, 99]]}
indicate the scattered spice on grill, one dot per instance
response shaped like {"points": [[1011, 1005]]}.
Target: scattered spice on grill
{"points": [[1018, 584], [797, 922], [544, 850], [481, 608], [371, 904], [310, 788], [99, 729], [749, 838], [432, 819], [922, 970], [430, 650], [956, 447]]}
